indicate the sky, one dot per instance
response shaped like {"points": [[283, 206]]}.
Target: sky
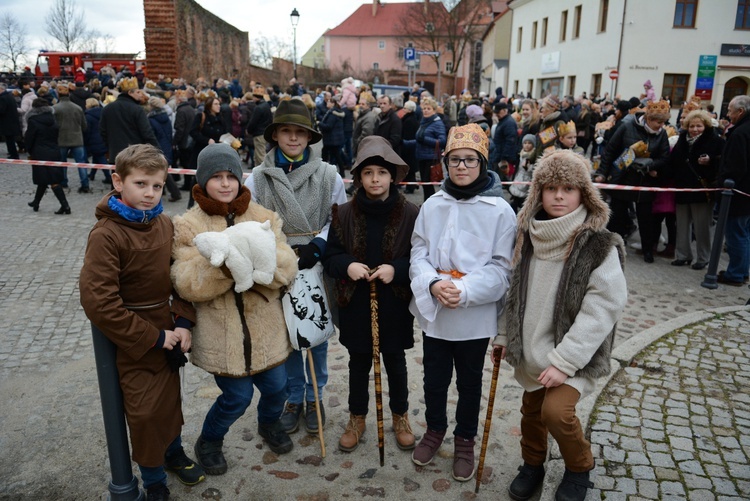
{"points": [[123, 19]]}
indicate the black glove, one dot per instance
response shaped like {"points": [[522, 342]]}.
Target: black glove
{"points": [[175, 357], [309, 254], [643, 164]]}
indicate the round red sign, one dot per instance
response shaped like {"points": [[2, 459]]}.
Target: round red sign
{"points": [[614, 74]]}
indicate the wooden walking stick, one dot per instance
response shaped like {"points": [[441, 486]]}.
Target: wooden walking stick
{"points": [[317, 403], [487, 424], [376, 360]]}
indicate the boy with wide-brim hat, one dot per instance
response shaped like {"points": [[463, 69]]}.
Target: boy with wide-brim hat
{"points": [[301, 188]]}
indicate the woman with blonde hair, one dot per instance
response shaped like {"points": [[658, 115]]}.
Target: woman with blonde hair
{"points": [[431, 131]]}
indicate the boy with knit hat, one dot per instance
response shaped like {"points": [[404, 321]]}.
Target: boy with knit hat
{"points": [[239, 337], [559, 338], [460, 270], [301, 188]]}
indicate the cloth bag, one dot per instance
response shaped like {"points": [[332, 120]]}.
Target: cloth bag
{"points": [[307, 309]]}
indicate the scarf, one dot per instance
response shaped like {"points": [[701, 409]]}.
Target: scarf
{"points": [[482, 183], [552, 238], [691, 140], [212, 207], [133, 215], [376, 207]]}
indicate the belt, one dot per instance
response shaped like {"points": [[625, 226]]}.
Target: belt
{"points": [[452, 273], [146, 306]]}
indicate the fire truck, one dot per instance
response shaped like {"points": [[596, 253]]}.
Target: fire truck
{"points": [[51, 64]]}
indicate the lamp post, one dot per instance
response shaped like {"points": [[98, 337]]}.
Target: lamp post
{"points": [[294, 16]]}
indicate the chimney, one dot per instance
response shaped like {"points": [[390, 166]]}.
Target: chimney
{"points": [[375, 7], [426, 6]]}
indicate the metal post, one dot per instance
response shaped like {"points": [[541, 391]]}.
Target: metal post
{"points": [[124, 485], [709, 280], [295, 52], [294, 17]]}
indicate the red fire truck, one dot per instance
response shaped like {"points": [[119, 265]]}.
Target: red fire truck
{"points": [[64, 64]]}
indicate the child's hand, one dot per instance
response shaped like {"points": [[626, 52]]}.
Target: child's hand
{"points": [[498, 354], [358, 271], [186, 338], [171, 338], [446, 293], [552, 377], [384, 272]]}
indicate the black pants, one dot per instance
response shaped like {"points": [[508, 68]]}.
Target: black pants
{"points": [[359, 382], [619, 220], [333, 155], [424, 176], [10, 142]]}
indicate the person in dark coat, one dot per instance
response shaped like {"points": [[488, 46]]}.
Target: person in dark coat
{"points": [[41, 141], [260, 119], [92, 139], [162, 126], [183, 124], [409, 127], [79, 95], [124, 122], [208, 127], [10, 125], [370, 241], [388, 124], [505, 139], [431, 131], [332, 128]]}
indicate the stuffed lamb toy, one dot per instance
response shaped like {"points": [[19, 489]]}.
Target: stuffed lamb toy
{"points": [[248, 249]]}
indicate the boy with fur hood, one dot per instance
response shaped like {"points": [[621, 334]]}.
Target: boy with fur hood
{"points": [[564, 343]]}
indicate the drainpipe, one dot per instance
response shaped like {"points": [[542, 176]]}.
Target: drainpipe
{"points": [[619, 49]]}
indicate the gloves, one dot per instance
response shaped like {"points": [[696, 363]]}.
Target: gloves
{"points": [[643, 164], [309, 254], [175, 357]]}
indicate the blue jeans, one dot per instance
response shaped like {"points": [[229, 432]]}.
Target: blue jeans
{"points": [[440, 356], [156, 474], [79, 155], [737, 237], [300, 388], [237, 393]]}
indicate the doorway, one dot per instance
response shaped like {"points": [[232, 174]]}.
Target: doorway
{"points": [[736, 86]]}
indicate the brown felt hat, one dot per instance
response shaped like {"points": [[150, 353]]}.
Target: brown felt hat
{"points": [[292, 112], [376, 150]]}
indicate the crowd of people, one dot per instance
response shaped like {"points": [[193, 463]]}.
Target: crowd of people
{"points": [[477, 249]]}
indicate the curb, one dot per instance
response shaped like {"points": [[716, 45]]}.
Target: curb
{"points": [[622, 355]]}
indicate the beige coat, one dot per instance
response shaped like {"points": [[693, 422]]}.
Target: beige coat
{"points": [[219, 345]]}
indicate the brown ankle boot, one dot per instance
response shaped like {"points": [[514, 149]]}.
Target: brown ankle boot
{"points": [[354, 430], [402, 429]]}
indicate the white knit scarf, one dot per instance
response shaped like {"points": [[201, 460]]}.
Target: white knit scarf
{"points": [[551, 237]]}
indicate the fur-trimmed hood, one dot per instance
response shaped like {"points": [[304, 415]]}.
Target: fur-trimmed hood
{"points": [[562, 167]]}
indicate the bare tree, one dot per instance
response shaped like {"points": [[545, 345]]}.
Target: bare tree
{"points": [[13, 40], [66, 24], [263, 49]]}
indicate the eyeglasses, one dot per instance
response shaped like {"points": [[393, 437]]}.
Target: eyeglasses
{"points": [[469, 162]]}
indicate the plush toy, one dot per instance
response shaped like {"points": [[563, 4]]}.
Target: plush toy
{"points": [[248, 249]]}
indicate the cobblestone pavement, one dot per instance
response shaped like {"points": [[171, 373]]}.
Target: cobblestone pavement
{"points": [[52, 442]]}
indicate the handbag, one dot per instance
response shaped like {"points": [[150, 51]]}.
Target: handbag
{"points": [[307, 310], [436, 169]]}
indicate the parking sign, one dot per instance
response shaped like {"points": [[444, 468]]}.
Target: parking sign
{"points": [[410, 54]]}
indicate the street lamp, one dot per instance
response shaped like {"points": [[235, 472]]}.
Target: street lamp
{"points": [[294, 16]]}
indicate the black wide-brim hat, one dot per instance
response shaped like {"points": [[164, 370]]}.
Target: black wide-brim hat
{"points": [[292, 112]]}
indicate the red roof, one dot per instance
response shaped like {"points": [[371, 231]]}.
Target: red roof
{"points": [[387, 21]]}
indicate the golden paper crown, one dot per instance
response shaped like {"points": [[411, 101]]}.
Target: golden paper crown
{"points": [[657, 108], [671, 131], [128, 84], [468, 136], [566, 128], [150, 84], [695, 99], [690, 106]]}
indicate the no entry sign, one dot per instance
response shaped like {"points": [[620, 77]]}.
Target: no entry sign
{"points": [[614, 74]]}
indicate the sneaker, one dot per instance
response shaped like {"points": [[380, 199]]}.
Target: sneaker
{"points": [[157, 492], [402, 429], [187, 470], [290, 417], [463, 459], [311, 417], [427, 447], [573, 486], [210, 457], [528, 480], [275, 436]]}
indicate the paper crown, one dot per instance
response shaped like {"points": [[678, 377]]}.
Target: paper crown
{"points": [[690, 106], [128, 84], [671, 131], [468, 136], [657, 108], [552, 102], [566, 128], [695, 99]]}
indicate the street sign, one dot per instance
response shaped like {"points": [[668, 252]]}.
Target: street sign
{"points": [[410, 54], [704, 84], [614, 74], [429, 53]]}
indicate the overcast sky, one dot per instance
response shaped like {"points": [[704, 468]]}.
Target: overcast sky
{"points": [[124, 19]]}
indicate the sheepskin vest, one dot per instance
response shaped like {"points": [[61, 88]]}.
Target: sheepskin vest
{"points": [[589, 250]]}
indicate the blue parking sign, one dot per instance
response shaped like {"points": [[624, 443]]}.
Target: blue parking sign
{"points": [[410, 54]]}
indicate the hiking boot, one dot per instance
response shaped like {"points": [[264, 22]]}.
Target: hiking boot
{"points": [[402, 429], [157, 492], [528, 480], [573, 486], [311, 417], [427, 447], [463, 458], [275, 436], [210, 457], [354, 430], [186, 469], [290, 417]]}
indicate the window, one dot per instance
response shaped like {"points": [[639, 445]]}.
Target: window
{"points": [[400, 53], [544, 32], [571, 85], [563, 25], [520, 38], [449, 67], [429, 27], [742, 21], [381, 44], [684, 13], [675, 88], [603, 11], [375, 66], [533, 35], [531, 87], [515, 87], [596, 84], [449, 47], [577, 22]]}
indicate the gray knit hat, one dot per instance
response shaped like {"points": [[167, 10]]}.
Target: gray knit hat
{"points": [[215, 158], [530, 138]]}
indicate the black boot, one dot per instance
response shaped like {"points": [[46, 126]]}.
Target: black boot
{"points": [[40, 190], [528, 480], [573, 486], [60, 194], [210, 456]]}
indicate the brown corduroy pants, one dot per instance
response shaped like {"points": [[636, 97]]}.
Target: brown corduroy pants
{"points": [[553, 410]]}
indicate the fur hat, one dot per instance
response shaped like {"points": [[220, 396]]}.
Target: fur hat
{"points": [[376, 150], [565, 128], [215, 158], [468, 136], [552, 102], [128, 84], [292, 112], [562, 168]]}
